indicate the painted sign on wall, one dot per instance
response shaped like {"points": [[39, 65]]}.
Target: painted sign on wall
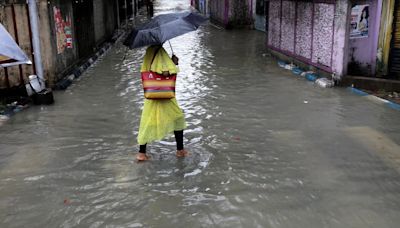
{"points": [[359, 21], [63, 30]]}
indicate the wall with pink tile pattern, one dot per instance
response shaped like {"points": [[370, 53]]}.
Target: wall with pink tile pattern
{"points": [[274, 25], [288, 25], [323, 34], [304, 30]]}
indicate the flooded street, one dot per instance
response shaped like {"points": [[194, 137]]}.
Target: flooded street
{"points": [[267, 148]]}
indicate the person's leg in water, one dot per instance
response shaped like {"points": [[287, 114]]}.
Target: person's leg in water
{"points": [[180, 150], [142, 156]]}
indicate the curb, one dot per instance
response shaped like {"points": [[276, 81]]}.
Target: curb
{"points": [[374, 98], [313, 77], [79, 70]]}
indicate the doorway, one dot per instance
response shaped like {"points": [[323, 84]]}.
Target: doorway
{"points": [[84, 27]]}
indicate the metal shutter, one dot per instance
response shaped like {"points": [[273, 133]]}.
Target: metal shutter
{"points": [[395, 46]]}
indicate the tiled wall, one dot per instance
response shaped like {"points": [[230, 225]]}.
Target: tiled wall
{"points": [[303, 29]]}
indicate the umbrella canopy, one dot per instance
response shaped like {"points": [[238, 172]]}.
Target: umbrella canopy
{"points": [[10, 53], [164, 27]]}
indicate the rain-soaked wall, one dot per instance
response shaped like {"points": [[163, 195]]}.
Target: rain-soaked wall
{"points": [[64, 21], [219, 11], [362, 61], [15, 18], [231, 13], [59, 44], [65, 49], [309, 31]]}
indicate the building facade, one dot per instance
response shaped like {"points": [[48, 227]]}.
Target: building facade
{"points": [[357, 38], [340, 37], [313, 32], [227, 13], [70, 31]]}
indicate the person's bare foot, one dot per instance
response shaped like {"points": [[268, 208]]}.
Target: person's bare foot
{"points": [[142, 157], [181, 153]]}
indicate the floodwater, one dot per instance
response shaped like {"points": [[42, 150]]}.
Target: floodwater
{"points": [[267, 148]]}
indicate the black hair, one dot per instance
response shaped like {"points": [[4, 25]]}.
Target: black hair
{"points": [[366, 13]]}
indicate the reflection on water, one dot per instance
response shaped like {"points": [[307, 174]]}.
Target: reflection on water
{"points": [[260, 155]]}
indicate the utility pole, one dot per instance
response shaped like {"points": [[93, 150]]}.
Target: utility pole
{"points": [[44, 96], [33, 16]]}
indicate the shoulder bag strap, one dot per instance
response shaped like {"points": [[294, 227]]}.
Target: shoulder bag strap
{"points": [[151, 63]]}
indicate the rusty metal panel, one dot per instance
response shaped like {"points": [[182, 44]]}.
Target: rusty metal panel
{"points": [[394, 64], [14, 17], [11, 76], [24, 40]]}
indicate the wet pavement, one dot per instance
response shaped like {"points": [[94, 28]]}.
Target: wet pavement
{"points": [[268, 149]]}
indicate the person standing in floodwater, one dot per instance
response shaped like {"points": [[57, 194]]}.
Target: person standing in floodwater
{"points": [[160, 116]]}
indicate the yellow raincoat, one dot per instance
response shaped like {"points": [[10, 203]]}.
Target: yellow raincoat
{"points": [[159, 117]]}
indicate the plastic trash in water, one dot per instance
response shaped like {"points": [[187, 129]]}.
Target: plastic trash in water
{"points": [[306, 72], [4, 118], [17, 109], [35, 83], [324, 83], [297, 71], [71, 77], [282, 64], [311, 77], [290, 66]]}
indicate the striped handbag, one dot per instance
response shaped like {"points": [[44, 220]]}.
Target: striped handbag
{"points": [[158, 86]]}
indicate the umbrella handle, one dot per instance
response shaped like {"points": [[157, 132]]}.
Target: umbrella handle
{"points": [[171, 47]]}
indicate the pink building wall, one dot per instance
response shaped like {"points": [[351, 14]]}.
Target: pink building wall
{"points": [[314, 32], [317, 32], [303, 30], [363, 51], [219, 11], [222, 11]]}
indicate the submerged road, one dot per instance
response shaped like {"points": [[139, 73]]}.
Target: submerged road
{"points": [[268, 149]]}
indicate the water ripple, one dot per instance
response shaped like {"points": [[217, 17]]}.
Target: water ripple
{"points": [[259, 155]]}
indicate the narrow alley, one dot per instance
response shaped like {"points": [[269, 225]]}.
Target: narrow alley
{"points": [[267, 149]]}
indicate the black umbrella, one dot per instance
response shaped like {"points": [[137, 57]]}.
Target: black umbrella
{"points": [[164, 27]]}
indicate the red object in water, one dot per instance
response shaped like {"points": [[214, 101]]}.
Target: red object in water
{"points": [[66, 201]]}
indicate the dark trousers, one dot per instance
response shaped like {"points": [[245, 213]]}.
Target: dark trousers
{"points": [[178, 138]]}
